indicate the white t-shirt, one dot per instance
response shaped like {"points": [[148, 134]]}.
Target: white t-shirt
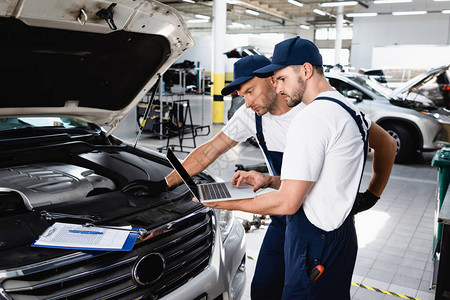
{"points": [[324, 145], [243, 125]]}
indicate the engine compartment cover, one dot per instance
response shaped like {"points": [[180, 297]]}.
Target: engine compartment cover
{"points": [[51, 183]]}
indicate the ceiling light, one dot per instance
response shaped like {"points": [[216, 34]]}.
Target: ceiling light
{"points": [[390, 1], [239, 25], [340, 3], [189, 1], [299, 4], [367, 14], [446, 11], [197, 21], [409, 13], [252, 12], [319, 12], [198, 16], [305, 26]]}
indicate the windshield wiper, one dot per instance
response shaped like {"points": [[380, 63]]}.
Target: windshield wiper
{"points": [[55, 215]]}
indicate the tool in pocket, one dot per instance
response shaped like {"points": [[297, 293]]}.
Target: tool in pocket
{"points": [[316, 272]]}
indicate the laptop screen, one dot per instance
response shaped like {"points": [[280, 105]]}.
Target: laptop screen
{"points": [[176, 164]]}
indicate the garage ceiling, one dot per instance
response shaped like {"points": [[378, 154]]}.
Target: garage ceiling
{"points": [[285, 16]]}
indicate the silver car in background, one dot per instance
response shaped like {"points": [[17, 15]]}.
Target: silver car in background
{"points": [[416, 122]]}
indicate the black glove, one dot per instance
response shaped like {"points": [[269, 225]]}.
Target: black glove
{"points": [[364, 201], [141, 187]]}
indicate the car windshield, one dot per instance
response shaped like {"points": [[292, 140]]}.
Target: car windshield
{"points": [[251, 51], [372, 85], [41, 122]]}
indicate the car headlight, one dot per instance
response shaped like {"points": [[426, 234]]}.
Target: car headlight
{"points": [[225, 219]]}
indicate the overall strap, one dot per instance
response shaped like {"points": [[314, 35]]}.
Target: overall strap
{"points": [[262, 142], [359, 121]]}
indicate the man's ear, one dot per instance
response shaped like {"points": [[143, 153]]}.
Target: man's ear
{"points": [[308, 70], [272, 81]]}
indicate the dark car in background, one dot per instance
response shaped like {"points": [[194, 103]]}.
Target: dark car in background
{"points": [[243, 51], [74, 70], [377, 74]]}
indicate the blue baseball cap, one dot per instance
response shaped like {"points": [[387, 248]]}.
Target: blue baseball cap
{"points": [[295, 51], [243, 71]]}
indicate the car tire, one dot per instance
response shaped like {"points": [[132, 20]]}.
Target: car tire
{"points": [[406, 145]]}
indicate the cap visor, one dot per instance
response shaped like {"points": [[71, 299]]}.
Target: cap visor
{"points": [[268, 70], [231, 87]]}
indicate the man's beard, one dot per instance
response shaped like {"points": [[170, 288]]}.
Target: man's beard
{"points": [[270, 99], [297, 95]]}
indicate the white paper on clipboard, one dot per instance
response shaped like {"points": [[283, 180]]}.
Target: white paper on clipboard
{"points": [[75, 236]]}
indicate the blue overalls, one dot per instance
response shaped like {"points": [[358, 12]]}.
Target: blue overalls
{"points": [[268, 279], [308, 246]]}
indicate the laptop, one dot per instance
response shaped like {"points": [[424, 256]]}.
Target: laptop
{"points": [[210, 192]]}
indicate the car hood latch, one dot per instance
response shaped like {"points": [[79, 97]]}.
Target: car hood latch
{"points": [[107, 15]]}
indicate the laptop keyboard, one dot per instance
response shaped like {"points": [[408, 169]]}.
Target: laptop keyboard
{"points": [[215, 191]]}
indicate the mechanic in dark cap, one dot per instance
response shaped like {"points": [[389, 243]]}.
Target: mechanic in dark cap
{"points": [[326, 148], [266, 117]]}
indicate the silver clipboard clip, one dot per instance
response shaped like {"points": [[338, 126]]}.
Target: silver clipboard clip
{"points": [[141, 231]]}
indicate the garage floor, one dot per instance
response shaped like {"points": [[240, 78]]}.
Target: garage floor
{"points": [[395, 237]]}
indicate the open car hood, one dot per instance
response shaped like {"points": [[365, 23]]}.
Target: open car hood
{"points": [[92, 60], [415, 83]]}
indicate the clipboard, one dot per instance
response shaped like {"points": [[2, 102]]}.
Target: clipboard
{"points": [[79, 237]]}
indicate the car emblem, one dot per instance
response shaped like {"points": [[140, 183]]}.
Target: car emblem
{"points": [[149, 268]]}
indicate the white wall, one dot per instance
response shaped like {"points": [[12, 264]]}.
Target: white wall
{"points": [[411, 56], [388, 30]]}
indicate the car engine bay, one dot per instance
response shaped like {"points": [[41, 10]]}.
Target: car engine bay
{"points": [[78, 182]]}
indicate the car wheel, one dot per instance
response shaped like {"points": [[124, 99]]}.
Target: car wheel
{"points": [[405, 142]]}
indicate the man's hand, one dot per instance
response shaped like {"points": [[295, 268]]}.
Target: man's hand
{"points": [[255, 179], [211, 204], [146, 187], [364, 201]]}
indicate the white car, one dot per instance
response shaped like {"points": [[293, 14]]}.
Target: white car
{"points": [[415, 122], [71, 71]]}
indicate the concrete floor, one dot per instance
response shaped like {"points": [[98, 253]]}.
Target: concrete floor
{"points": [[395, 237]]}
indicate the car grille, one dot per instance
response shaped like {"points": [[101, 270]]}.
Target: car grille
{"points": [[185, 246]]}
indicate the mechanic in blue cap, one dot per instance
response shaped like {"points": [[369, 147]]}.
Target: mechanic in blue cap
{"points": [[326, 148], [266, 117]]}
